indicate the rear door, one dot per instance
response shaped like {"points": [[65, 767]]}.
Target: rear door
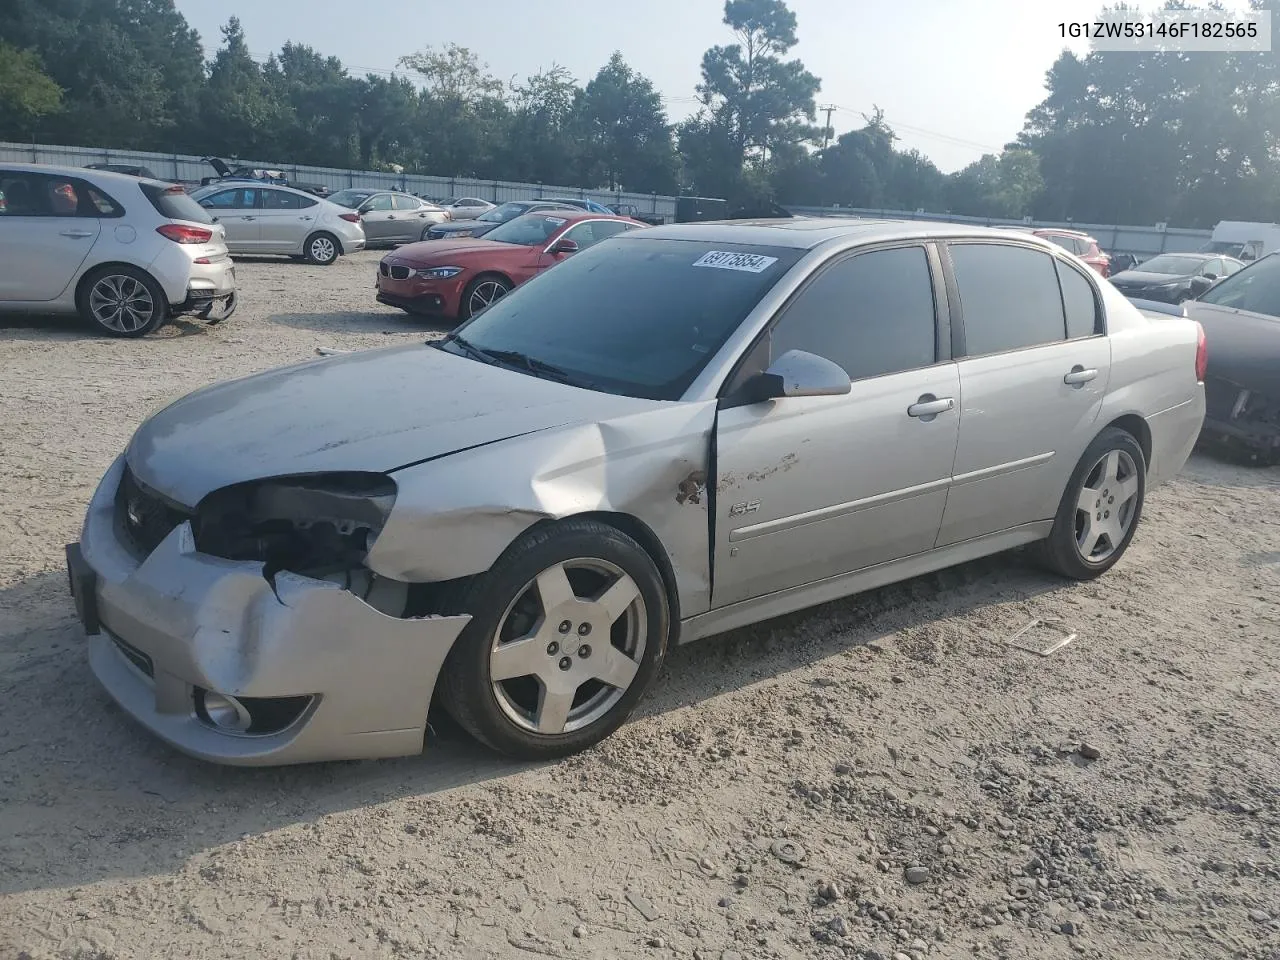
{"points": [[237, 210], [808, 488], [1034, 370], [48, 225], [286, 219]]}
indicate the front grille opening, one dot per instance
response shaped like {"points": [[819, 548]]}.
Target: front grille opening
{"points": [[400, 273], [143, 516], [384, 270]]}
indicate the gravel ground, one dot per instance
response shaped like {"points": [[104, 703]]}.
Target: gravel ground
{"points": [[878, 777]]}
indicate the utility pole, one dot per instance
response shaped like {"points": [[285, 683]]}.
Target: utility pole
{"points": [[826, 131]]}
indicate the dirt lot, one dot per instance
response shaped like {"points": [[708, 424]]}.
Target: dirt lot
{"points": [[772, 798]]}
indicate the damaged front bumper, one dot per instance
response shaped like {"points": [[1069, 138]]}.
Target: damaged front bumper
{"points": [[1243, 418], [321, 674]]}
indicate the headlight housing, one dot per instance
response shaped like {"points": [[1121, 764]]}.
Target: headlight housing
{"points": [[439, 273], [314, 524]]}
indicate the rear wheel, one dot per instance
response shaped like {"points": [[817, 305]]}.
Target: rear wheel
{"points": [[123, 301], [567, 631], [481, 292], [322, 249], [1100, 510]]}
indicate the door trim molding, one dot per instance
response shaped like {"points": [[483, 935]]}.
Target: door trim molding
{"points": [[836, 510], [1000, 469]]}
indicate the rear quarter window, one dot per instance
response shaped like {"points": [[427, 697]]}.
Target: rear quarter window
{"points": [[174, 203], [1079, 301]]}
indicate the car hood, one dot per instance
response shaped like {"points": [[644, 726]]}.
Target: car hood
{"points": [[437, 251], [1243, 347], [1142, 278], [375, 410]]}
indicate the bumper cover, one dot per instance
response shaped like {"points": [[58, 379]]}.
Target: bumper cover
{"points": [[205, 622]]}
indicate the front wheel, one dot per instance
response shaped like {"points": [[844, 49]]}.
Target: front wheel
{"points": [[481, 292], [1100, 510], [123, 301], [322, 249], [567, 631]]}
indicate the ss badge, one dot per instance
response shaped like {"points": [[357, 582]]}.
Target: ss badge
{"points": [[741, 509]]}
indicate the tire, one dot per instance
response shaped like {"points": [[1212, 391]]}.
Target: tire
{"points": [[123, 301], [475, 297], [521, 715], [423, 236], [322, 249], [1114, 472]]}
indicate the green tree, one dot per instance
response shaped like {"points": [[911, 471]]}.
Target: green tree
{"points": [[753, 98], [626, 139], [240, 110], [323, 104], [464, 115], [26, 91], [539, 143], [1005, 186]]}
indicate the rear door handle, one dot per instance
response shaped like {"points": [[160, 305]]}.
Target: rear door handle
{"points": [[248, 218], [929, 406], [1079, 376], [304, 218], [78, 234]]}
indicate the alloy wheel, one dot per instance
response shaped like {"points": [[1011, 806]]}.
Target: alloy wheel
{"points": [[1106, 506], [323, 250], [568, 646], [121, 303], [484, 294]]}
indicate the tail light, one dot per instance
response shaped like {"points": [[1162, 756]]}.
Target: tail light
{"points": [[1202, 353], [350, 217], [181, 233]]}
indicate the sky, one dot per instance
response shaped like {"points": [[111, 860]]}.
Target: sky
{"points": [[955, 78]]}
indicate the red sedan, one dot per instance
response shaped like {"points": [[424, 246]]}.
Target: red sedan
{"points": [[456, 278], [1079, 243]]}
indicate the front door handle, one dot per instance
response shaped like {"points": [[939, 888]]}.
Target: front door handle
{"points": [[1079, 376], [77, 234], [929, 406], [391, 216], [304, 218], [248, 218]]}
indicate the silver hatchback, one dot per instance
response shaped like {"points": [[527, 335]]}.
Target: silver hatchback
{"points": [[262, 219], [676, 432]]}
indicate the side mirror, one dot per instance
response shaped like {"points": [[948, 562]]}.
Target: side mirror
{"points": [[798, 373], [1211, 277], [564, 246], [1200, 284]]}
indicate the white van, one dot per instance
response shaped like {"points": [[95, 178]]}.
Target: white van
{"points": [[1243, 240]]}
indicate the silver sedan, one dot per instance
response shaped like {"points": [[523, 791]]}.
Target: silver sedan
{"points": [[262, 219], [390, 217], [677, 432]]}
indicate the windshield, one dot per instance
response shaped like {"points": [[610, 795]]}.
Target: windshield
{"points": [[1171, 264], [1222, 246], [350, 198], [1256, 288], [636, 317], [533, 230], [508, 211]]}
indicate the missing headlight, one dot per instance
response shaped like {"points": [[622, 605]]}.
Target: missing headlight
{"points": [[313, 525]]}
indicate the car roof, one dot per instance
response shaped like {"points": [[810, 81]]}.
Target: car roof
{"points": [[1195, 255], [1064, 230], [806, 233], [231, 184], [107, 176], [574, 214]]}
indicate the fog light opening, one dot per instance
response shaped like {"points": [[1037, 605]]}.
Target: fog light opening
{"points": [[223, 712]]}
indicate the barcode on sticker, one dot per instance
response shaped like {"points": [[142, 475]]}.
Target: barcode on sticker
{"points": [[557, 221], [724, 260]]}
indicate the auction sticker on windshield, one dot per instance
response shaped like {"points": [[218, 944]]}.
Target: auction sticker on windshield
{"points": [[557, 222], [724, 260]]}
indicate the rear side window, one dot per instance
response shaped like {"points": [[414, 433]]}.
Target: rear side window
{"points": [[1009, 297], [239, 198], [406, 203], [174, 203], [1079, 301], [283, 200], [873, 314]]}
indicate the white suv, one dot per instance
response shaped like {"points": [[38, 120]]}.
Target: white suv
{"points": [[127, 254]]}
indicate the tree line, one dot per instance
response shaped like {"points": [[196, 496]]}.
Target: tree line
{"points": [[1184, 138]]}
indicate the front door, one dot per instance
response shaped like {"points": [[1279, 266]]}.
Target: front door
{"points": [[237, 210], [378, 216], [808, 488], [48, 225], [411, 218], [1032, 383]]}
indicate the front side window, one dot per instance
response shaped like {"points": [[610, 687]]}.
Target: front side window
{"points": [[45, 195], [1256, 288], [1009, 296], [637, 317], [873, 314], [379, 203]]}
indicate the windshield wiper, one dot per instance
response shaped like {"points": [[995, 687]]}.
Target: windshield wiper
{"points": [[539, 368], [465, 345]]}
